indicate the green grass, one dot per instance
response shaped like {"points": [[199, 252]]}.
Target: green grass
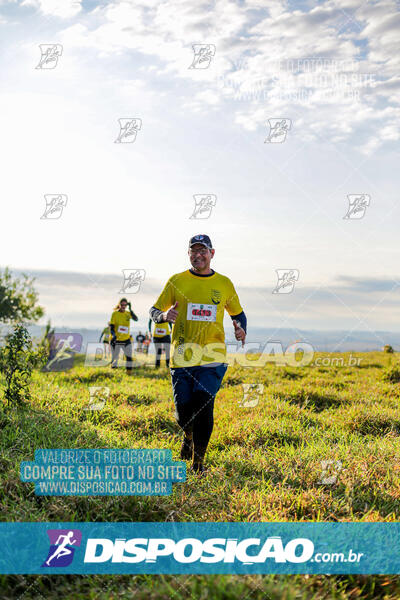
{"points": [[264, 465]]}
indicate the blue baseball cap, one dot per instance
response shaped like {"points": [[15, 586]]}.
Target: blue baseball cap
{"points": [[200, 239]]}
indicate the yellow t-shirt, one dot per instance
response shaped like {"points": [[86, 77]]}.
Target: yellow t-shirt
{"points": [[161, 330], [106, 334], [121, 321], [198, 335]]}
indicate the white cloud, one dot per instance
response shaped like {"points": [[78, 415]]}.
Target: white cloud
{"points": [[59, 8], [257, 46], [131, 59]]}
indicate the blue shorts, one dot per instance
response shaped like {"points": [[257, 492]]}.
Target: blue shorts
{"points": [[187, 380]]}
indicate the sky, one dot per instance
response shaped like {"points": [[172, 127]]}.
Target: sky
{"points": [[292, 114]]}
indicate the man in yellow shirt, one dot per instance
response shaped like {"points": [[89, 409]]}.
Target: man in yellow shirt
{"points": [[194, 301], [120, 336]]}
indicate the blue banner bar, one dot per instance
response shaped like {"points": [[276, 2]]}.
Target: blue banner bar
{"points": [[200, 548]]}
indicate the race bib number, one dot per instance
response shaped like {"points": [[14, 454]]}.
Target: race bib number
{"points": [[160, 331], [201, 312], [122, 329]]}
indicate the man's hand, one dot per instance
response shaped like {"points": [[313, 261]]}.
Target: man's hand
{"points": [[171, 314], [240, 333]]}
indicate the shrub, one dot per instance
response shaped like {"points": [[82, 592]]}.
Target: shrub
{"points": [[17, 361], [392, 374], [388, 349]]}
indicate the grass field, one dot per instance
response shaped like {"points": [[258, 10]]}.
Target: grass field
{"points": [[265, 464]]}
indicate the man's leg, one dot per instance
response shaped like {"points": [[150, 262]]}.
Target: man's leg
{"points": [[115, 348], [128, 356], [208, 381], [203, 423], [182, 385]]}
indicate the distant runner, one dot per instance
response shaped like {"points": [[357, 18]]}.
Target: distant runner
{"points": [[140, 340], [146, 343], [195, 301], [105, 338], [120, 337], [162, 340]]}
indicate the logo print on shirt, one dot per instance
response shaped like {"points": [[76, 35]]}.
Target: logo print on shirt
{"points": [[215, 296]]}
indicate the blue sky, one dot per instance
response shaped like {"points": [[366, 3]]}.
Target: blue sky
{"points": [[279, 205]]}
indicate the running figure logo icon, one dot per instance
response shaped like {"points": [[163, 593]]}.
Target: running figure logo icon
{"points": [[128, 129], [203, 205], [55, 204], [49, 55], [203, 54], [62, 547], [357, 206], [132, 280], [62, 351], [278, 129], [286, 280]]}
